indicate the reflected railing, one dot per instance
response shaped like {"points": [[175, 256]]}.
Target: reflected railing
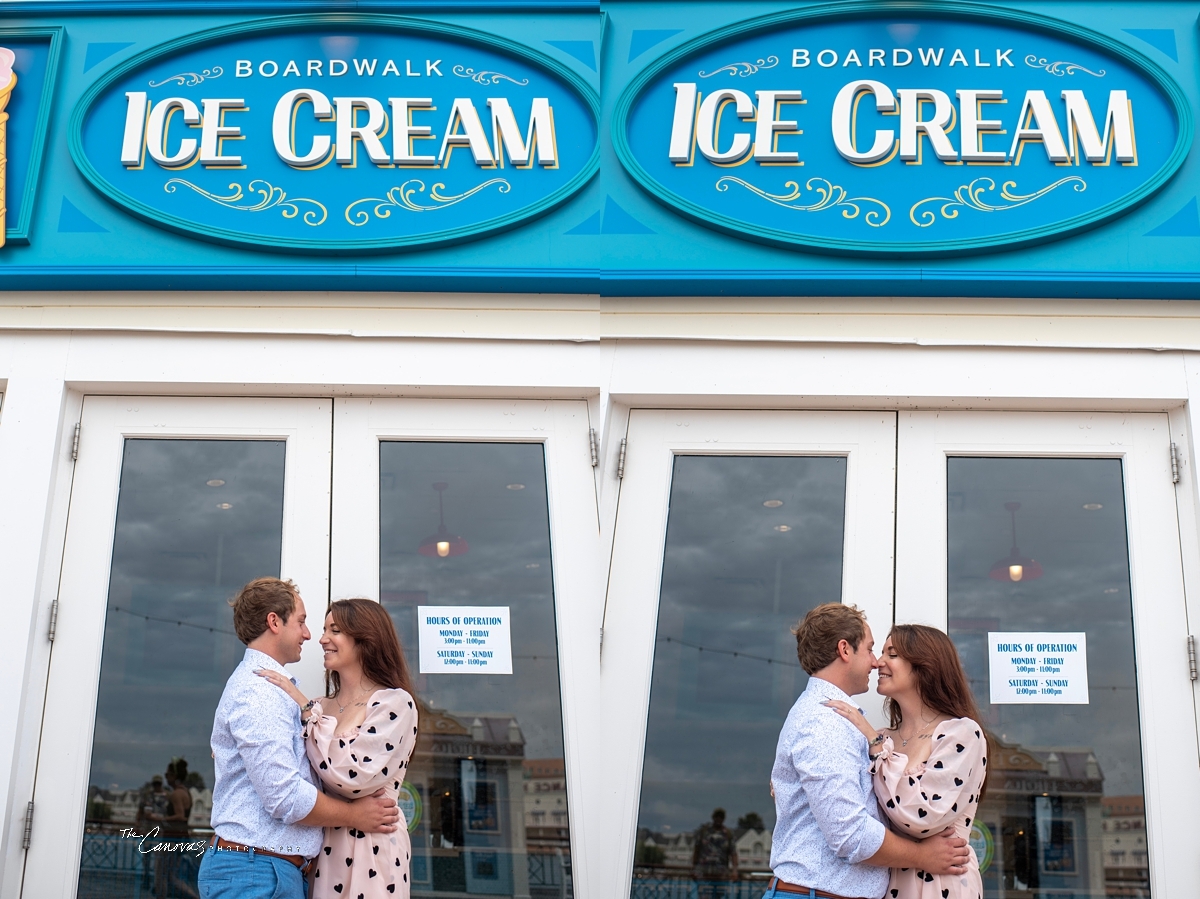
{"points": [[122, 867], [119, 866], [651, 883]]}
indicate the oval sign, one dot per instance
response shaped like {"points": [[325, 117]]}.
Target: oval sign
{"points": [[337, 132], [902, 129]]}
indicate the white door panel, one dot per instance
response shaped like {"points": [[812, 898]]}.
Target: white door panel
{"points": [[390, 456], [65, 756], [656, 440], [967, 474]]}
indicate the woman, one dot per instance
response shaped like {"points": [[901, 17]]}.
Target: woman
{"points": [[930, 766], [175, 873], [359, 739], [179, 801]]}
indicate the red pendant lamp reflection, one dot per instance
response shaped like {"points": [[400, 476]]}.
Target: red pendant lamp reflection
{"points": [[1015, 567], [443, 543]]}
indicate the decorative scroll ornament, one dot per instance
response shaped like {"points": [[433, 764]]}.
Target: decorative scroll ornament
{"points": [[402, 197], [742, 69], [970, 196], [190, 79], [1059, 68], [271, 197], [831, 196], [485, 76]]}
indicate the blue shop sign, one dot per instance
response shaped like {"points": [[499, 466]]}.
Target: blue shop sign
{"points": [[337, 133], [902, 128]]}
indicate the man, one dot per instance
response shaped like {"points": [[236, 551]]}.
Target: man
{"points": [[267, 811], [830, 839], [714, 857]]}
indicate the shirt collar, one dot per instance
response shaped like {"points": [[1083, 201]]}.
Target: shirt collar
{"points": [[255, 658], [827, 690]]}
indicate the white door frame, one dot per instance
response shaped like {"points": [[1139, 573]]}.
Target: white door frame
{"points": [[655, 438], [561, 426], [1165, 696], [64, 756]]}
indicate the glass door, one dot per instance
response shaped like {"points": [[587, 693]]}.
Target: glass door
{"points": [[730, 527], [474, 523], [1047, 546], [175, 504]]}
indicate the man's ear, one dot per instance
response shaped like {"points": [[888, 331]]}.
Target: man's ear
{"points": [[845, 650], [275, 623]]}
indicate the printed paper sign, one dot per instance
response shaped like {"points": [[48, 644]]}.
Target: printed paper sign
{"points": [[464, 639], [1038, 668]]}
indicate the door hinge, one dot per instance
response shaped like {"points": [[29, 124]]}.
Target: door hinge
{"points": [[1174, 464], [1192, 657], [594, 446], [28, 825], [621, 458], [53, 620], [75, 444]]}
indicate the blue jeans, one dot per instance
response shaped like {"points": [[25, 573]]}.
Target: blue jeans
{"points": [[229, 874]]}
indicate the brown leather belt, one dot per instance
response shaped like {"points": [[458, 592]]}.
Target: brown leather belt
{"points": [[304, 864], [784, 887]]}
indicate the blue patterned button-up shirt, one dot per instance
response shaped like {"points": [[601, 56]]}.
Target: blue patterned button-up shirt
{"points": [[264, 782], [828, 820]]}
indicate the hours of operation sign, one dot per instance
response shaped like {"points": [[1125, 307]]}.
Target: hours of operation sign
{"points": [[464, 639], [1038, 668]]}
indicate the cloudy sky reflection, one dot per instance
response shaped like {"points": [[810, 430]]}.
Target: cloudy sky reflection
{"points": [[178, 556], [507, 529], [737, 574], [1084, 553]]}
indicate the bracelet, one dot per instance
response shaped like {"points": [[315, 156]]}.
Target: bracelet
{"points": [[879, 738], [311, 704]]}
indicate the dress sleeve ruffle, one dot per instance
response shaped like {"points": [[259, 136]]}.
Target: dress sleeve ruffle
{"points": [[925, 802], [375, 757]]}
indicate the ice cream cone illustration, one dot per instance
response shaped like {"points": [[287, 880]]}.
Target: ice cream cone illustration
{"points": [[8, 80]]}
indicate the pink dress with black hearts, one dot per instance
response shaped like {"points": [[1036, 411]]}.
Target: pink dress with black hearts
{"points": [[924, 799], [354, 764]]}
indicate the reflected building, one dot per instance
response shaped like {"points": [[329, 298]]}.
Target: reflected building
{"points": [[1040, 826], [469, 807], [664, 865], [110, 811], [753, 851], [1126, 859], [546, 803]]}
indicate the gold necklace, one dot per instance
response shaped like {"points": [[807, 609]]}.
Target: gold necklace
{"points": [[920, 736], [923, 736], [342, 708]]}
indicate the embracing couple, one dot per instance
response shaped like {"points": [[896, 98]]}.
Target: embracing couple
{"points": [[864, 814], [305, 792]]}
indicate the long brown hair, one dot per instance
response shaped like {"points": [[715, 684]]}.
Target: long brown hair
{"points": [[378, 647], [941, 680]]}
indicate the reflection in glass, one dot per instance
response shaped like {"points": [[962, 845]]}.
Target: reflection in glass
{"points": [[752, 544], [1064, 813], [195, 520], [467, 524]]}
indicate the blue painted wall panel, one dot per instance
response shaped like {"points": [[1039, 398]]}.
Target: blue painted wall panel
{"points": [[1115, 260], [611, 236]]}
